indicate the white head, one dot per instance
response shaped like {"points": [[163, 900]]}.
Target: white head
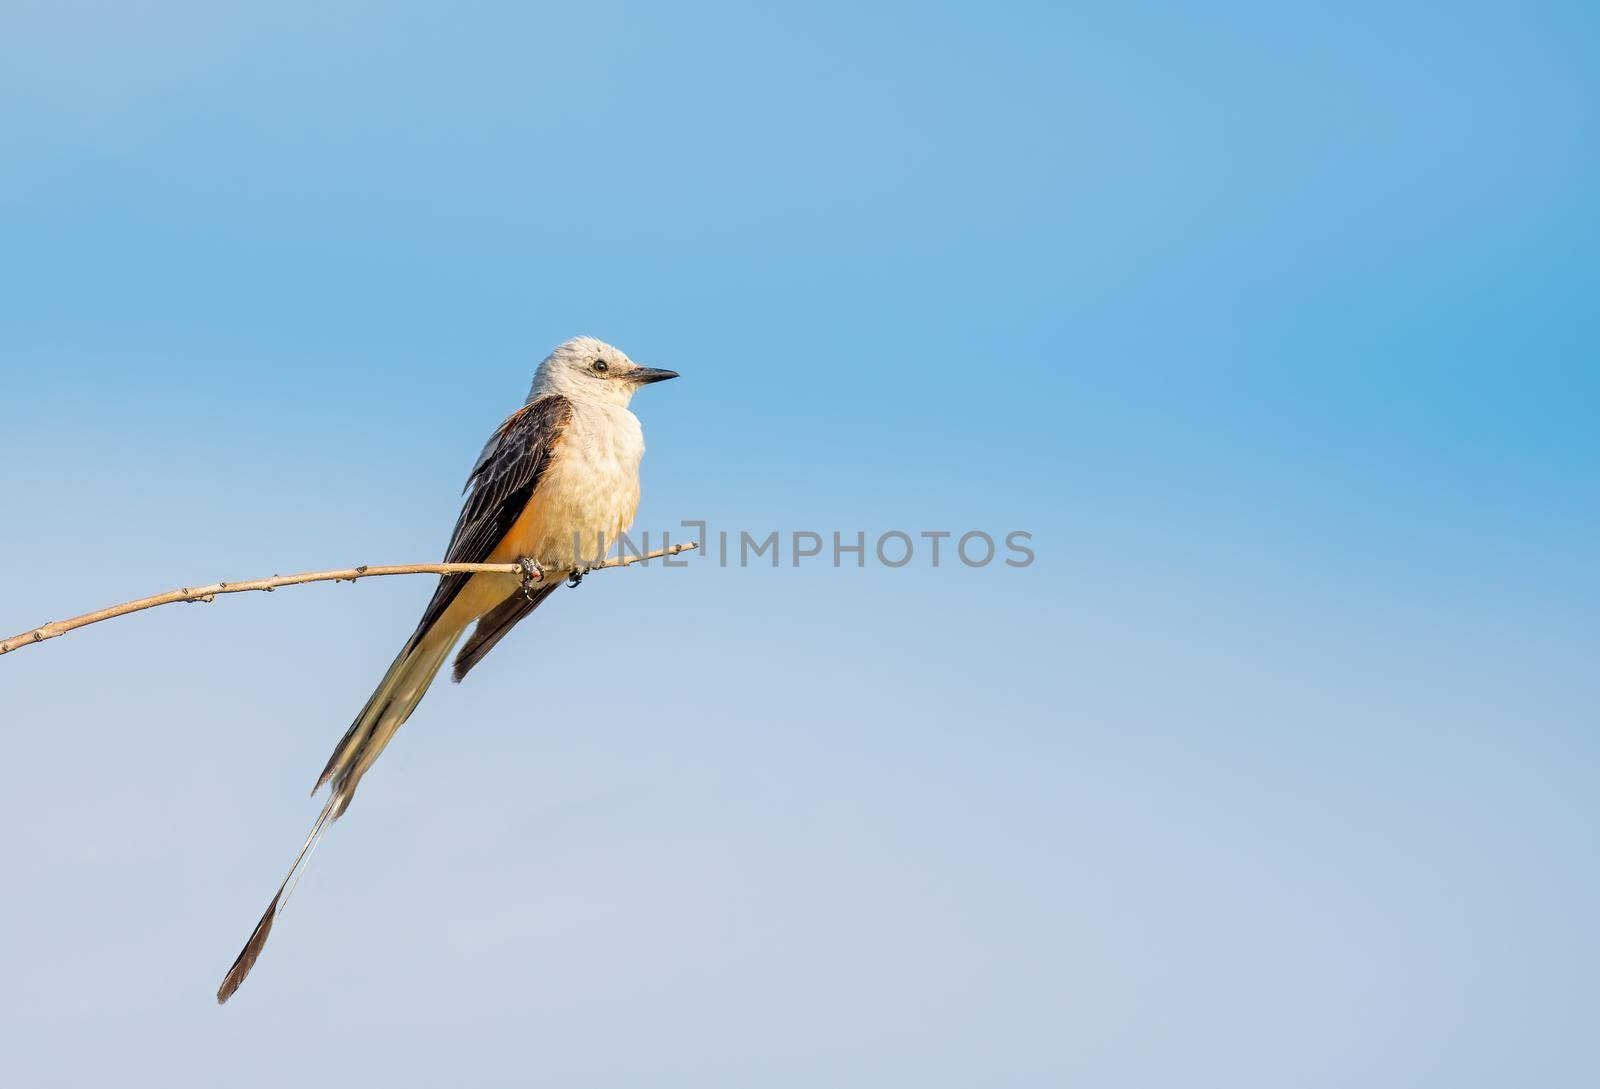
{"points": [[586, 369]]}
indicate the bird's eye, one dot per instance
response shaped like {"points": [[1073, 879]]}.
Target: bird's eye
{"points": [[600, 366]]}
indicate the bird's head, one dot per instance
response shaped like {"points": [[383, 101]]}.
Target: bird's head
{"points": [[586, 369]]}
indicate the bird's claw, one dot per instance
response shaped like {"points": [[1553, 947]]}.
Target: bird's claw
{"points": [[531, 573], [575, 576]]}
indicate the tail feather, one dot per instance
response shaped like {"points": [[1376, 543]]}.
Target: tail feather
{"points": [[247, 957], [410, 686], [397, 695], [364, 719], [391, 703]]}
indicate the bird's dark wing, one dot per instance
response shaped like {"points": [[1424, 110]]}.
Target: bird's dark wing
{"points": [[498, 490], [495, 623]]}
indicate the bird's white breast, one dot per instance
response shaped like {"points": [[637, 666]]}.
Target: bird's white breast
{"points": [[591, 487]]}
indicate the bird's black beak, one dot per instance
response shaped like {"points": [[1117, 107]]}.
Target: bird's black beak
{"points": [[643, 376]]}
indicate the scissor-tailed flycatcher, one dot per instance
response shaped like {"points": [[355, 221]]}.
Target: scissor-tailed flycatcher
{"points": [[559, 475]]}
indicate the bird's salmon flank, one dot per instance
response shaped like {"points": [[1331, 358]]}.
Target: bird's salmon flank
{"points": [[554, 486]]}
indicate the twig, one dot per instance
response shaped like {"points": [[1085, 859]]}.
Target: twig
{"points": [[345, 574]]}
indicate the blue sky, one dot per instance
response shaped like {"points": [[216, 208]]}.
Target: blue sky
{"points": [[1273, 324]]}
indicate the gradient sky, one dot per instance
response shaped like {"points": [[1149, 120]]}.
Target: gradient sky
{"points": [[1274, 324]]}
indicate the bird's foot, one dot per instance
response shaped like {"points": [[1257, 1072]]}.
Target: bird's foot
{"points": [[531, 573], [575, 576]]}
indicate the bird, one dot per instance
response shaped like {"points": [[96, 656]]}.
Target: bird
{"points": [[554, 486]]}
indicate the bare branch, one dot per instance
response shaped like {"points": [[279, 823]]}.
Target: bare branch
{"points": [[345, 574]]}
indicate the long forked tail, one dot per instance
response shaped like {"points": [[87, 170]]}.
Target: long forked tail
{"points": [[391, 704]]}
